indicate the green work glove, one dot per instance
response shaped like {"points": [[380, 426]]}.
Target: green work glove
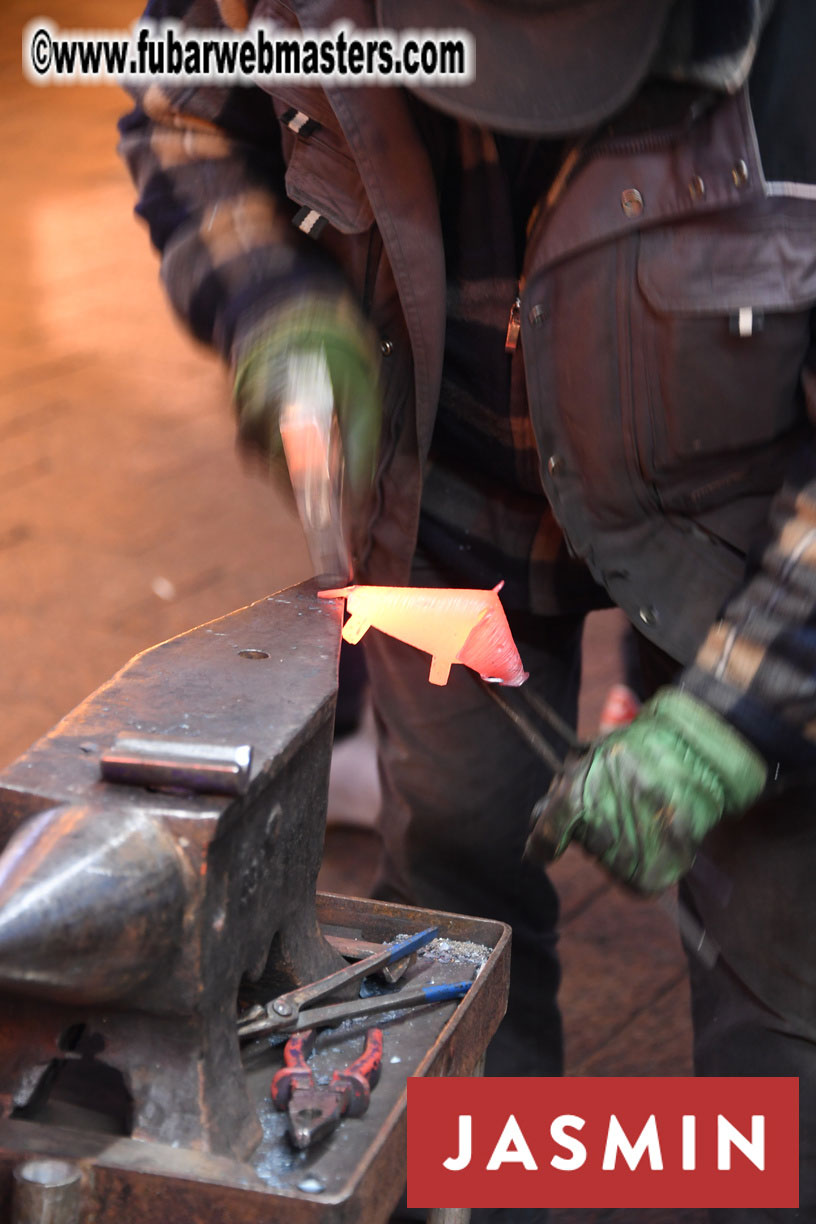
{"points": [[643, 798], [307, 325]]}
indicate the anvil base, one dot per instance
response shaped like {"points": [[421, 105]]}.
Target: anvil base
{"points": [[355, 1176]]}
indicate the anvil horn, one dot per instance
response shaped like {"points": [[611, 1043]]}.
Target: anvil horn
{"points": [[90, 905]]}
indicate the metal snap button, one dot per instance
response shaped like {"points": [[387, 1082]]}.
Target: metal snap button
{"points": [[555, 465], [632, 202], [697, 188], [739, 173], [386, 348]]}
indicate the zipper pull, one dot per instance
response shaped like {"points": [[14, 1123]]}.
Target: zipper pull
{"points": [[513, 327]]}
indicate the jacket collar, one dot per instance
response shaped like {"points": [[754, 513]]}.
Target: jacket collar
{"points": [[714, 166]]}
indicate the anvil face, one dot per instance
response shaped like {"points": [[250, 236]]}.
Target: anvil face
{"points": [[132, 914]]}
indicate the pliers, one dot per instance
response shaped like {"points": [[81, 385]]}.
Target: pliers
{"points": [[286, 1013], [316, 1109]]}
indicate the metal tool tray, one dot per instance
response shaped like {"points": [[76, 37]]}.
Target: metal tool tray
{"points": [[354, 1176]]}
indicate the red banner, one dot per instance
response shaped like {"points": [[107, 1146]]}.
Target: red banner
{"points": [[650, 1142]]}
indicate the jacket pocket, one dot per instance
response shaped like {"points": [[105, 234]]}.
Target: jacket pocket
{"points": [[721, 330], [321, 173]]}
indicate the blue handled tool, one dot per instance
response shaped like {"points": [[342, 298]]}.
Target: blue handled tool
{"points": [[394, 1000], [288, 1013]]}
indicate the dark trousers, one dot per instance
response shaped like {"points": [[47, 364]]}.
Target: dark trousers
{"points": [[458, 787], [754, 1013]]}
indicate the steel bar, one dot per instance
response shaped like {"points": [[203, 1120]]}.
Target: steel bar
{"points": [[540, 746], [47, 1192], [554, 719], [187, 765]]}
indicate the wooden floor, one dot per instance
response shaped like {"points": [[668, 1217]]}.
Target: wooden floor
{"points": [[125, 516]]}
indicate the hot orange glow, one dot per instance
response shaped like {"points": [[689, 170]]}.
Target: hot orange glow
{"points": [[453, 626]]}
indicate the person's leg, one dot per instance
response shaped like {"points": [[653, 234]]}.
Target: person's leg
{"points": [[352, 683], [755, 1011], [459, 784]]}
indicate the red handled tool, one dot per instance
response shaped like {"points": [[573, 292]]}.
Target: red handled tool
{"points": [[316, 1109]]}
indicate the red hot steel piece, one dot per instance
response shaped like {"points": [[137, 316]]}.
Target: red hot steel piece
{"points": [[453, 626]]}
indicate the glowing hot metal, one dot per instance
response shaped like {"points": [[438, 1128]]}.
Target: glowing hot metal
{"points": [[453, 626]]}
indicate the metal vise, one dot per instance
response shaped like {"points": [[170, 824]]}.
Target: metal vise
{"points": [[134, 906]]}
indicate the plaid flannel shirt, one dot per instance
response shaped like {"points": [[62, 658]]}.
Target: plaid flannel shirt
{"points": [[208, 168], [485, 517]]}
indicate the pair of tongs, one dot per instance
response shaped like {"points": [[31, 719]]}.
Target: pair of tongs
{"points": [[291, 1013], [691, 931]]}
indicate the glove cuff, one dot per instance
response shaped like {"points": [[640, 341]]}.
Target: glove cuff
{"points": [[335, 317], [740, 768]]}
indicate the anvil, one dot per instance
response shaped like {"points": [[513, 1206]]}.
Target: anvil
{"points": [[134, 906]]}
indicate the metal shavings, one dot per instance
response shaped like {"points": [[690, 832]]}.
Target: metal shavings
{"points": [[457, 951]]}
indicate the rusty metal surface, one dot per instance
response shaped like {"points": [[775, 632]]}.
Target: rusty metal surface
{"points": [[360, 1170], [264, 675], [128, 917]]}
